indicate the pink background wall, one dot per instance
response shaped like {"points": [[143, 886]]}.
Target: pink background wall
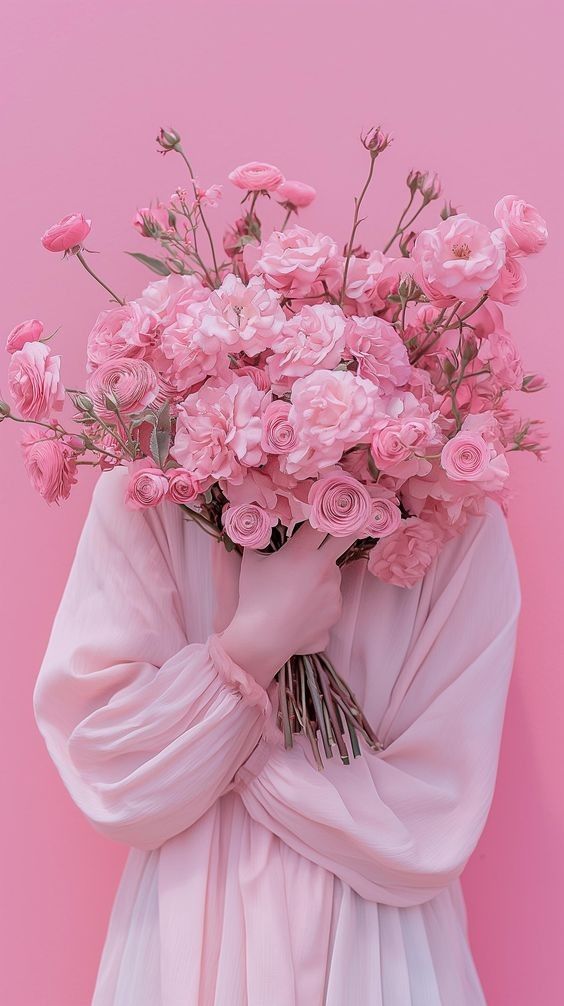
{"points": [[467, 89]]}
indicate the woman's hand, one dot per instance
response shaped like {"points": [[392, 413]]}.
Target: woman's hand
{"points": [[288, 602]]}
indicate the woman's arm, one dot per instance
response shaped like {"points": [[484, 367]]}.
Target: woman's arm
{"points": [[145, 728], [399, 825]]}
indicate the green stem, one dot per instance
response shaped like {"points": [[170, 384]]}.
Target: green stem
{"points": [[357, 205], [201, 212], [83, 262]]}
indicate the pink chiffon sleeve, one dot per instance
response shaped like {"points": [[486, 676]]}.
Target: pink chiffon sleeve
{"points": [[145, 728], [399, 825]]}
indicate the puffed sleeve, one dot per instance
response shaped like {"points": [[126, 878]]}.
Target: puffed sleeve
{"points": [[399, 825], [145, 728]]}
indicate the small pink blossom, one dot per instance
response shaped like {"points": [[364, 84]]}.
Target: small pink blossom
{"points": [[34, 380], [295, 262], [182, 487], [50, 464], [211, 196], [150, 218], [296, 194], [26, 331], [248, 525], [310, 339], [340, 505], [403, 558], [524, 230], [379, 352], [279, 436], [511, 282], [257, 176], [459, 259], [130, 384], [147, 486], [282, 495], [68, 233]]}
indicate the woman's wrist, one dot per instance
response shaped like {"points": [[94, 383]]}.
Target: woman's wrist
{"points": [[246, 642]]}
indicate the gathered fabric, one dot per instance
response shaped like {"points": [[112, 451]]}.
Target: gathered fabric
{"points": [[254, 879]]}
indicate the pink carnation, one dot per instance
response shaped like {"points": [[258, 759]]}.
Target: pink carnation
{"points": [[130, 384], [248, 525], [34, 380], [147, 486], [523, 228], [404, 557], [379, 352], [68, 233], [340, 505], [26, 331], [312, 338], [458, 260], [219, 431], [279, 436], [50, 464], [295, 261], [257, 176], [297, 194]]}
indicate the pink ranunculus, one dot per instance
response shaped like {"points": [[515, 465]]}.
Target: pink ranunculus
{"points": [[524, 229], [257, 176], [131, 330], [67, 234], [279, 436], [147, 486], [511, 282], [471, 456], [403, 558], [298, 194], [34, 380], [240, 317], [340, 505], [219, 431], [460, 259], [131, 384], [26, 331], [385, 516], [312, 338], [295, 262], [182, 487], [149, 218], [331, 410], [379, 352], [50, 464], [248, 525]]}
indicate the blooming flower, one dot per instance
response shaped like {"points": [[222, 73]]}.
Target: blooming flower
{"points": [[130, 384], [279, 436], [34, 380], [523, 228], [458, 260], [340, 505], [403, 558], [67, 234], [131, 330], [312, 338], [256, 176], [26, 331], [147, 486], [248, 525], [50, 464], [379, 352], [295, 262], [182, 487]]}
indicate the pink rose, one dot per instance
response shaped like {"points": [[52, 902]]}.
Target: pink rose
{"points": [[130, 331], [475, 454], [241, 317], [34, 380], [458, 260], [279, 436], [167, 298], [296, 261], [404, 557], [182, 487], [400, 442], [50, 464], [379, 352], [147, 486], [312, 338], [524, 229], [151, 219], [219, 431], [67, 234], [331, 410], [363, 276], [385, 516], [257, 177], [248, 525], [131, 384], [297, 194], [502, 356], [511, 282], [26, 331], [340, 505]]}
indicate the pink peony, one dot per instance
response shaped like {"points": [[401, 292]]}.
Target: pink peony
{"points": [[340, 505], [257, 177], [296, 194], [130, 331], [385, 516], [295, 262], [458, 260], [219, 431], [147, 486], [279, 436], [50, 464], [130, 384], [248, 525], [511, 282], [26, 331], [331, 410], [379, 352], [34, 380], [403, 558], [68, 233], [182, 487], [524, 229], [312, 338]]}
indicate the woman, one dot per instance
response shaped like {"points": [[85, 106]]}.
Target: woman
{"points": [[253, 877]]}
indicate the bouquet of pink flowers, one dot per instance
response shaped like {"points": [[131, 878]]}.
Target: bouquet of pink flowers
{"points": [[364, 391]]}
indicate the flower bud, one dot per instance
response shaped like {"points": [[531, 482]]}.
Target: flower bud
{"points": [[447, 211], [533, 382], [4, 410], [168, 139], [431, 187], [84, 403], [414, 180], [407, 242], [469, 349], [375, 141]]}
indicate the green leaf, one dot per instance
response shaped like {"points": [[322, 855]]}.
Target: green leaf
{"points": [[154, 264]]}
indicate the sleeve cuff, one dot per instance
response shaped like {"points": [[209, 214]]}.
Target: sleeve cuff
{"points": [[237, 678]]}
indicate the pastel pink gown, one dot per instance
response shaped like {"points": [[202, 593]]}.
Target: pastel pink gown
{"points": [[254, 879]]}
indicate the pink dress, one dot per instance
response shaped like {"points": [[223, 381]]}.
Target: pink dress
{"points": [[254, 879]]}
